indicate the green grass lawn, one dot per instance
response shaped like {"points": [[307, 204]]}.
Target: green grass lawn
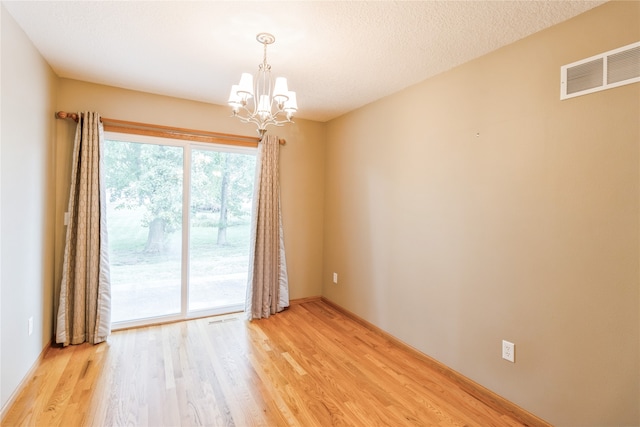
{"points": [[127, 239]]}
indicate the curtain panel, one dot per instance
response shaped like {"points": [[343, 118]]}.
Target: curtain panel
{"points": [[84, 312], [267, 287]]}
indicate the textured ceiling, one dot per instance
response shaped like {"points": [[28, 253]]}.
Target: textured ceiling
{"points": [[337, 56]]}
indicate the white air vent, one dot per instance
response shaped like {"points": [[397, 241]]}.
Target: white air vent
{"points": [[605, 71]]}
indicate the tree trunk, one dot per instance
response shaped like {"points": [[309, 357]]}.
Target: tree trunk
{"points": [[224, 190], [155, 239]]}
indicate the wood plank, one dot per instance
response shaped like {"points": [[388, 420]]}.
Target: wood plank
{"points": [[311, 365]]}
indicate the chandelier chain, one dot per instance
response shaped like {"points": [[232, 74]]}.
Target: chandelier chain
{"points": [[266, 66]]}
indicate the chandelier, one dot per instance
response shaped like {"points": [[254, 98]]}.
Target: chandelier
{"points": [[263, 104]]}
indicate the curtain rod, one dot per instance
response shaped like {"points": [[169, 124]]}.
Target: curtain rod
{"points": [[122, 126]]}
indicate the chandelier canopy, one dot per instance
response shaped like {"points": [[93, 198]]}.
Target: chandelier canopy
{"points": [[265, 104]]}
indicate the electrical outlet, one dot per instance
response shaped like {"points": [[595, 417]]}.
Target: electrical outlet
{"points": [[508, 351], [30, 325], [335, 277]]}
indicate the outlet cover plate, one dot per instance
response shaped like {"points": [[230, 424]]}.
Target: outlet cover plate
{"points": [[509, 351]]}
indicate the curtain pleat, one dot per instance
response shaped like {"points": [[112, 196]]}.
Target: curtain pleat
{"points": [[267, 287], [84, 311]]}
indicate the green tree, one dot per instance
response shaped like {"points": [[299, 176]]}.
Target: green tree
{"points": [[148, 176], [222, 183]]}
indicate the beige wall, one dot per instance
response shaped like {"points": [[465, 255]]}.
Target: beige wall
{"points": [[301, 165], [476, 206], [26, 282]]}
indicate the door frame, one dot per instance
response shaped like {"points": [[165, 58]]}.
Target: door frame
{"points": [[187, 147]]}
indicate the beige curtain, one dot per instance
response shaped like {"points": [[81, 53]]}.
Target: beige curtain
{"points": [[84, 312], [267, 288]]}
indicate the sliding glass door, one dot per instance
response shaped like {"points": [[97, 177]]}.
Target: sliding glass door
{"points": [[178, 219]]}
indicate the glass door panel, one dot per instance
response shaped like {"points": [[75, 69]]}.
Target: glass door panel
{"points": [[144, 223], [220, 221]]}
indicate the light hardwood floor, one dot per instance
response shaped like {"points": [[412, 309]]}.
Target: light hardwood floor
{"points": [[308, 366]]}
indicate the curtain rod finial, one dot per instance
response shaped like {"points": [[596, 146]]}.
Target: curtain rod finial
{"points": [[65, 115]]}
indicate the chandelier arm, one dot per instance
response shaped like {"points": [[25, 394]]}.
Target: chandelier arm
{"points": [[254, 117], [273, 116]]}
